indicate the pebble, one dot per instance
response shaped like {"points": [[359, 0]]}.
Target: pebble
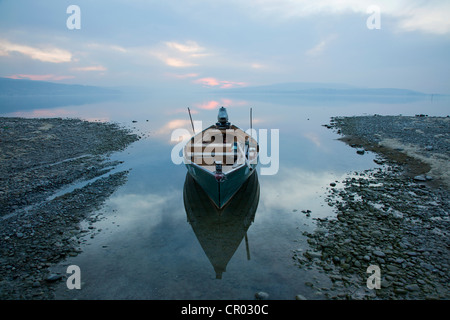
{"points": [[379, 253], [420, 178], [261, 295], [53, 277], [412, 287]]}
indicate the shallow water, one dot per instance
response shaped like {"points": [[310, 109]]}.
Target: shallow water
{"points": [[145, 245]]}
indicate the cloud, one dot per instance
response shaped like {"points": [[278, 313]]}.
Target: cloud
{"points": [[231, 84], [319, 48], [409, 15], [50, 54], [293, 187], [314, 138], [431, 19], [316, 50], [208, 82], [175, 62], [210, 105], [90, 68], [256, 65], [180, 55], [174, 124], [189, 47], [213, 82], [213, 104], [40, 77], [186, 75], [106, 47]]}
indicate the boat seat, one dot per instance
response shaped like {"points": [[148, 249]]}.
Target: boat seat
{"points": [[202, 159], [212, 154], [211, 145]]}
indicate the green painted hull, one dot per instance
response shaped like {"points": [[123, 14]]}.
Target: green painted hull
{"points": [[220, 192]]}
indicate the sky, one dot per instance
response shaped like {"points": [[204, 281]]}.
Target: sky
{"points": [[224, 44]]}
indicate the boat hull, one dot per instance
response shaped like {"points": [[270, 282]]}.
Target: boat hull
{"points": [[220, 192]]}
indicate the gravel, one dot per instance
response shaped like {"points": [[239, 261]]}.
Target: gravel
{"points": [[384, 216], [39, 224]]}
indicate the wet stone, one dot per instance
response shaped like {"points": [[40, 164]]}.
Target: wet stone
{"points": [[261, 295]]}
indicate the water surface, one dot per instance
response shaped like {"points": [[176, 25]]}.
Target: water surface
{"points": [[151, 244]]}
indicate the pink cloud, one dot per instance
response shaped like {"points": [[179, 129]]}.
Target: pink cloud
{"points": [[210, 105], [213, 82], [231, 84], [53, 55], [39, 77], [210, 82]]}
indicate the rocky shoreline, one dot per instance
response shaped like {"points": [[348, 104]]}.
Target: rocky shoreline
{"points": [[394, 218], [39, 227]]}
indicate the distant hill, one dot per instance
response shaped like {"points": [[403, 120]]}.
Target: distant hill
{"points": [[333, 89], [312, 93], [21, 94], [23, 87]]}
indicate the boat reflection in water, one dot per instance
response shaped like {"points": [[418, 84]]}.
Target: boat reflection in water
{"points": [[220, 231]]}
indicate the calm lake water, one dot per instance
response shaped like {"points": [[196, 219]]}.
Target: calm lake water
{"points": [[158, 239]]}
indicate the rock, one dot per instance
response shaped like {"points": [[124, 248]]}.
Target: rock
{"points": [[261, 295], [300, 297], [400, 291], [412, 287], [53, 277], [333, 184], [392, 268], [313, 254], [360, 151], [379, 253], [420, 178], [377, 234]]}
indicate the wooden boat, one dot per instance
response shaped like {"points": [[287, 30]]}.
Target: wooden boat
{"points": [[221, 231], [221, 158]]}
